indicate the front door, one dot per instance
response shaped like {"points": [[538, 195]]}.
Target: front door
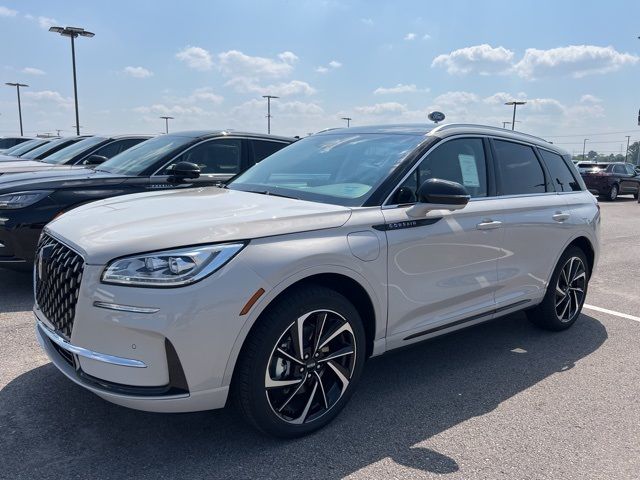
{"points": [[442, 268]]}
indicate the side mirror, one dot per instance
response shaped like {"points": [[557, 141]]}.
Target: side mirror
{"points": [[437, 194], [183, 171], [95, 160]]}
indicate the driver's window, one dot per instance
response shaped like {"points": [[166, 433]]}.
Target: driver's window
{"points": [[222, 156], [461, 160]]}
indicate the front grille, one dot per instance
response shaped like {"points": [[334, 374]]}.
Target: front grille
{"points": [[58, 273]]}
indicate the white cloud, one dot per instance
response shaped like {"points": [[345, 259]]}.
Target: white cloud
{"points": [[426, 36], [7, 12], [195, 57], [49, 96], [456, 98], [46, 22], [32, 71], [575, 60], [588, 98], [367, 21], [332, 65], [294, 87], [198, 104], [335, 64], [399, 88], [381, 108], [500, 98], [322, 69], [236, 63], [137, 72], [483, 59], [410, 36]]}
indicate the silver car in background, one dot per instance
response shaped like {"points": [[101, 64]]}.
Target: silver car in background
{"points": [[276, 289]]}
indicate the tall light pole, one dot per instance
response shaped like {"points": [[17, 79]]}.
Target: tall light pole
{"points": [[515, 104], [626, 155], [348, 119], [584, 145], [269, 97], [73, 33], [166, 123], [18, 85]]}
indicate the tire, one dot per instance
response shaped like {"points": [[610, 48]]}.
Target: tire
{"points": [[636, 195], [564, 299], [613, 193], [317, 388]]}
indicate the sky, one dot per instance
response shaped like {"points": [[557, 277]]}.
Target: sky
{"points": [[576, 63]]}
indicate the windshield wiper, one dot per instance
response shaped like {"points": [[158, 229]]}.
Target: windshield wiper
{"points": [[272, 194]]}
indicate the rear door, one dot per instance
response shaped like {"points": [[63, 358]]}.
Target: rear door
{"points": [[627, 181], [537, 222]]}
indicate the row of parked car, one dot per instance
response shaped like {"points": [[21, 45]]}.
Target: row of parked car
{"points": [[314, 256]]}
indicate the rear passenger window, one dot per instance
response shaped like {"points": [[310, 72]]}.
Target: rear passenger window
{"points": [[220, 156], [262, 149], [518, 168], [460, 161], [561, 176], [619, 169]]}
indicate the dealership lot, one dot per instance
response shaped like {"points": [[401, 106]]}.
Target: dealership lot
{"points": [[500, 400]]}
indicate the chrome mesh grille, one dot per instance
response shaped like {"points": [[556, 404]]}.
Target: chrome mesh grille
{"points": [[58, 274]]}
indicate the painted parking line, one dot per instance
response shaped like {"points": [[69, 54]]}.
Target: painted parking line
{"points": [[612, 312]]}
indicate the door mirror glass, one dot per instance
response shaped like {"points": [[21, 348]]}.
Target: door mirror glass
{"points": [[183, 171], [438, 194], [94, 160]]}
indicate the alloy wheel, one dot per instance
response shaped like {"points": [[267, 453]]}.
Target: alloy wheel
{"points": [[310, 366], [570, 289], [613, 194]]}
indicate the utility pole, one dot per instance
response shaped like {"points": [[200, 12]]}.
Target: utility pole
{"points": [[73, 33], [269, 97], [18, 85], [166, 124], [515, 104], [348, 119], [626, 155], [584, 144]]}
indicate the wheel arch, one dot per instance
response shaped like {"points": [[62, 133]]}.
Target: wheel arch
{"points": [[584, 244]]}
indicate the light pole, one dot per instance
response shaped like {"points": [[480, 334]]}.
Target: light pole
{"points": [[626, 155], [269, 97], [348, 119], [584, 144], [166, 123], [515, 104], [73, 33], [18, 85]]}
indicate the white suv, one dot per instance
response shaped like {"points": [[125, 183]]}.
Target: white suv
{"points": [[340, 247]]}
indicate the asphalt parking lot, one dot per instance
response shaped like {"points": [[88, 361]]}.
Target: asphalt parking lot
{"points": [[500, 400]]}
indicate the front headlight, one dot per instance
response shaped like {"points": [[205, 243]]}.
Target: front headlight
{"points": [[22, 199], [170, 268]]}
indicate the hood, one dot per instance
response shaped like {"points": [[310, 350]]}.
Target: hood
{"points": [[146, 222], [62, 176], [22, 166]]}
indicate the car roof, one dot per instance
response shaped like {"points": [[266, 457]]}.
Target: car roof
{"points": [[195, 134], [447, 130]]}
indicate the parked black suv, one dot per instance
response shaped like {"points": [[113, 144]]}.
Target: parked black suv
{"points": [[29, 201], [610, 179]]}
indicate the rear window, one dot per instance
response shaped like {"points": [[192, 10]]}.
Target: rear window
{"points": [[561, 177], [519, 171]]}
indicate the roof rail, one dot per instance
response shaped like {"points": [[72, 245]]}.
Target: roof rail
{"points": [[448, 126]]}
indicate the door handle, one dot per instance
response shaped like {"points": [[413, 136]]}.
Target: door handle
{"points": [[488, 224], [560, 216]]}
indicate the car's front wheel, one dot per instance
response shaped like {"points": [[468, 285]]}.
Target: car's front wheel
{"points": [[301, 362], [613, 193], [566, 292]]}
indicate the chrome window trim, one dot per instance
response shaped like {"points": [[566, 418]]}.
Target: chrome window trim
{"points": [[221, 137]]}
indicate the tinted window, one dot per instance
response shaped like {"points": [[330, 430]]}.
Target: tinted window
{"points": [[50, 147], [460, 161], [561, 176], [215, 156], [24, 147], [630, 169], [117, 146], [619, 169], [10, 142], [518, 169], [337, 168], [262, 149], [69, 153]]}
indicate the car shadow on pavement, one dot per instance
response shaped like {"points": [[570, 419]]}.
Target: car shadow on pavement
{"points": [[52, 428]]}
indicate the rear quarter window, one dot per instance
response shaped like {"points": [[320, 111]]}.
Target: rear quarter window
{"points": [[561, 176]]}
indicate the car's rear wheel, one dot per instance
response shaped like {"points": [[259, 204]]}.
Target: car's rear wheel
{"points": [[613, 193], [566, 292], [301, 362]]}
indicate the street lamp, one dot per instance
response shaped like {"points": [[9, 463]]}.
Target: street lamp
{"points": [[269, 97], [166, 123], [584, 144], [18, 85], [515, 104], [348, 119], [73, 33]]}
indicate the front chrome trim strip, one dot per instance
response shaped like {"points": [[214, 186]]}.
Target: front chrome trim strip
{"points": [[83, 352], [125, 308]]}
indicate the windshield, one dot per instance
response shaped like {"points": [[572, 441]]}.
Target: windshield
{"points": [[53, 145], [342, 169], [143, 156], [24, 147], [68, 153]]}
